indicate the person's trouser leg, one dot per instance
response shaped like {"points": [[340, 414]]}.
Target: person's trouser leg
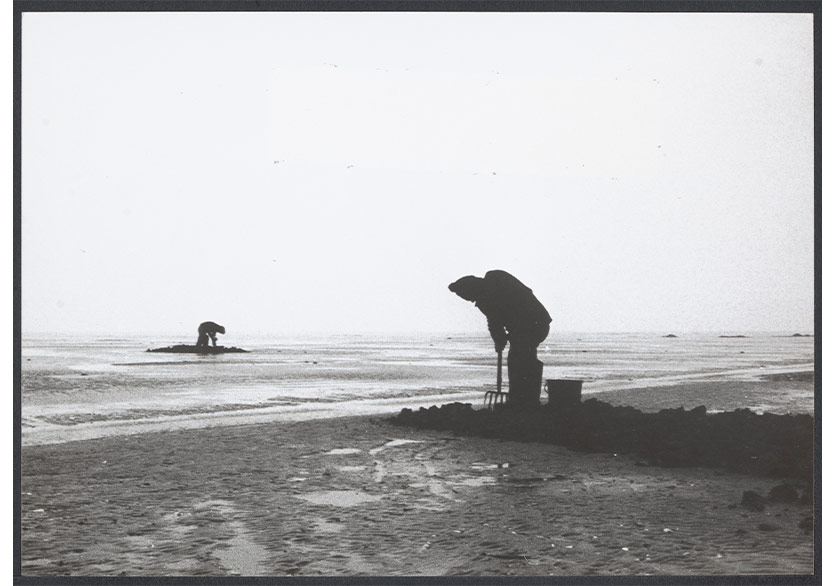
{"points": [[524, 372], [534, 366]]}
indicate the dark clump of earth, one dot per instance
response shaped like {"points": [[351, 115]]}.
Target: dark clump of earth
{"points": [[739, 441]]}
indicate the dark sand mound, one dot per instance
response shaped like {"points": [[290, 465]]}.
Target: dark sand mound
{"points": [[191, 349], [739, 441]]}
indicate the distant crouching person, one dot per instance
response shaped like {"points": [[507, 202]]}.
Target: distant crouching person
{"points": [[206, 330]]}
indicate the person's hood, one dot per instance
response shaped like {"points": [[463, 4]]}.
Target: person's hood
{"points": [[469, 287]]}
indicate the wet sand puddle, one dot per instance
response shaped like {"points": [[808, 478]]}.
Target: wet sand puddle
{"points": [[413, 467], [339, 498], [342, 451], [393, 444]]}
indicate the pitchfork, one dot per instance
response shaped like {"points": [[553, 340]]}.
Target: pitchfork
{"points": [[493, 398]]}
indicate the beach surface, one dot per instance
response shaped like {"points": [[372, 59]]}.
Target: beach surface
{"points": [[362, 496]]}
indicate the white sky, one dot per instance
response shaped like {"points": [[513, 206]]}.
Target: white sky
{"points": [[280, 172]]}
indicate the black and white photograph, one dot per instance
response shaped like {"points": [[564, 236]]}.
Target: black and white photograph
{"points": [[391, 291]]}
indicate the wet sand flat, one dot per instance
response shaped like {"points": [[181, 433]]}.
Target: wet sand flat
{"points": [[785, 394], [360, 496]]}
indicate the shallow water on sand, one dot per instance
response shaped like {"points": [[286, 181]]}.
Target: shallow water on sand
{"points": [[78, 389]]}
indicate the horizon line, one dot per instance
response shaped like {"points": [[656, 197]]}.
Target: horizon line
{"points": [[728, 331]]}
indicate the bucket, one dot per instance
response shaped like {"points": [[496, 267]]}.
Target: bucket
{"points": [[563, 393]]}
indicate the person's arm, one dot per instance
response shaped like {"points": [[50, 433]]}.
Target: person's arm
{"points": [[498, 333]]}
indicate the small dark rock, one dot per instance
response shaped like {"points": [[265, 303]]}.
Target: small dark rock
{"points": [[753, 501], [807, 524], [767, 527]]}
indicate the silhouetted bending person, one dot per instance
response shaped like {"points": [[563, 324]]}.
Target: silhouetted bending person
{"points": [[206, 330], [513, 315]]}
